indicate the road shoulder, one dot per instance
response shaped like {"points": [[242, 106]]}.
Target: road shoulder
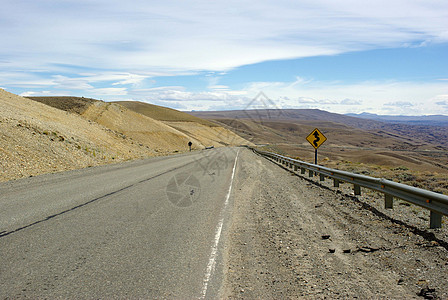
{"points": [[290, 238]]}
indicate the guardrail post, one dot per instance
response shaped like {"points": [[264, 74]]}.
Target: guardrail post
{"points": [[388, 201], [357, 189], [435, 220], [410, 194]]}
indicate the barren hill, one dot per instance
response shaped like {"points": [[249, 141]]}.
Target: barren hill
{"points": [[434, 135], [53, 134], [349, 139], [273, 115], [71, 104], [36, 139], [205, 131], [432, 120], [160, 128], [161, 113]]}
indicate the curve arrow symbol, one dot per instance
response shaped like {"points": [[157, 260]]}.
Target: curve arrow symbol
{"points": [[316, 135]]}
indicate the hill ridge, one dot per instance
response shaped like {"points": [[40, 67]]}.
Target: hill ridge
{"points": [[36, 138]]}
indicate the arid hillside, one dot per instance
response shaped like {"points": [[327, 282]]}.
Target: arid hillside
{"points": [[37, 139], [161, 113], [160, 128], [205, 131], [414, 154], [143, 130], [434, 135], [51, 134]]}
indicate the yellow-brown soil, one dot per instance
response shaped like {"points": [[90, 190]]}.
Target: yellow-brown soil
{"points": [[36, 138]]}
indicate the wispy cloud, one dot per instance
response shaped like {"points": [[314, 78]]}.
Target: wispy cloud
{"points": [[115, 48], [405, 104], [373, 96], [351, 102], [42, 93], [207, 35], [442, 100]]}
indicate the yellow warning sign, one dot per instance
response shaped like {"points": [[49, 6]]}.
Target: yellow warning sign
{"points": [[316, 138]]}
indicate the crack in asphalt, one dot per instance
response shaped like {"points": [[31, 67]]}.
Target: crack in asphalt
{"points": [[6, 233]]}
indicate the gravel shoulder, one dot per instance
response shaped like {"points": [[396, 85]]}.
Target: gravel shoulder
{"points": [[292, 237]]}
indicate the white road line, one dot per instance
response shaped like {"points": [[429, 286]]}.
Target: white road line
{"points": [[212, 260]]}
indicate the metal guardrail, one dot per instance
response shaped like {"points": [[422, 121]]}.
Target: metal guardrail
{"points": [[436, 203]]}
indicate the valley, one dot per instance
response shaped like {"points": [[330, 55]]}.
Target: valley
{"points": [[374, 148]]}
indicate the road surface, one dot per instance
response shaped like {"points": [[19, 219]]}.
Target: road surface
{"points": [[145, 229], [221, 223]]}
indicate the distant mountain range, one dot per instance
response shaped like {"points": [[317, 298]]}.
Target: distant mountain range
{"points": [[267, 125], [432, 120]]}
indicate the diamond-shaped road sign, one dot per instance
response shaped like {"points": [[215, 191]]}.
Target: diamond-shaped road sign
{"points": [[316, 138]]}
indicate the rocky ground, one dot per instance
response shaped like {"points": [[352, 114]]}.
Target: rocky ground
{"points": [[37, 139], [292, 237]]}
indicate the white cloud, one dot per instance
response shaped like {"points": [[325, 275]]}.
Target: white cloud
{"points": [[372, 96], [218, 87], [207, 35], [404, 104], [172, 96], [442, 100], [62, 82], [351, 102], [116, 78], [110, 92], [113, 48], [41, 93]]}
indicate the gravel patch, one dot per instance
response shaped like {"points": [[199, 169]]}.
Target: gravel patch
{"points": [[292, 237]]}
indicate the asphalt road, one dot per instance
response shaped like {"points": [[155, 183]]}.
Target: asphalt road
{"points": [[146, 229]]}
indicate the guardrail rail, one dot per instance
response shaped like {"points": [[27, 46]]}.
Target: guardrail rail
{"points": [[436, 203]]}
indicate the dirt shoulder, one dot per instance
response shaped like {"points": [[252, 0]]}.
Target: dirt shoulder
{"points": [[291, 238]]}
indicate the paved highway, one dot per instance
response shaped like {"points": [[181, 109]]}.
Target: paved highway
{"points": [[149, 228]]}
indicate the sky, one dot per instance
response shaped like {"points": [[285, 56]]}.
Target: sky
{"points": [[345, 56]]}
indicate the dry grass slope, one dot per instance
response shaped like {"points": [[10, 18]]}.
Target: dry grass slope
{"points": [[159, 128], [37, 139], [52, 134], [161, 113], [202, 132], [71, 104], [143, 130]]}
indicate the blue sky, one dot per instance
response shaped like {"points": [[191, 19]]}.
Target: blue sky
{"points": [[346, 56]]}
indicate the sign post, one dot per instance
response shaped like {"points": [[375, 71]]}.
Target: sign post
{"points": [[189, 145], [316, 138]]}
